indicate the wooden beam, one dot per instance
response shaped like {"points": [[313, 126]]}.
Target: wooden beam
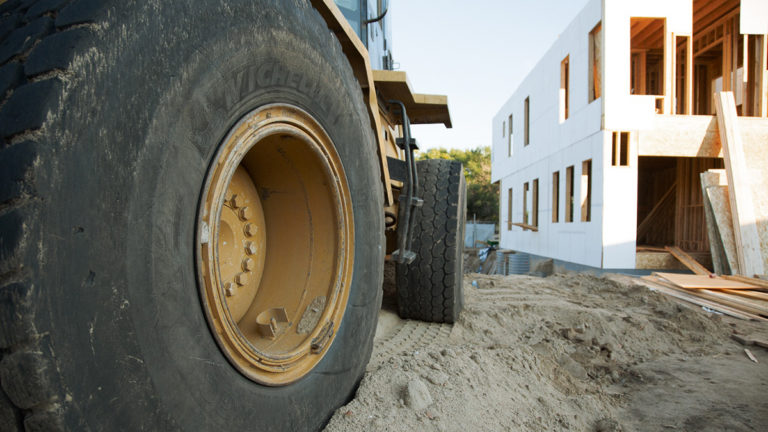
{"points": [[726, 57], [645, 225], [758, 295], [688, 261], [762, 79], [750, 280], [526, 226], [689, 76], [669, 70], [745, 225]]}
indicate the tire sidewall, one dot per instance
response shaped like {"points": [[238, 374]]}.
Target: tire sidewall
{"points": [[142, 303]]}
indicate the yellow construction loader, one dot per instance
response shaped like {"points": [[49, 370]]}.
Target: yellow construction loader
{"points": [[197, 199]]}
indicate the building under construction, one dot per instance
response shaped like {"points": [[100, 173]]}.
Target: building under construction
{"points": [[599, 152]]}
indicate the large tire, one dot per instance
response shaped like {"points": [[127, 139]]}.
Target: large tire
{"points": [[112, 115], [430, 288]]}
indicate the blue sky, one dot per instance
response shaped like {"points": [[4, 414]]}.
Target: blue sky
{"points": [[476, 53]]}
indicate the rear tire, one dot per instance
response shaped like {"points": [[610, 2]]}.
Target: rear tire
{"points": [[115, 118], [430, 288]]}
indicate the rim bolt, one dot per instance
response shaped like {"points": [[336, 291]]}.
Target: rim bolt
{"points": [[229, 289], [250, 248], [250, 229], [241, 278], [247, 264], [236, 201], [245, 213]]}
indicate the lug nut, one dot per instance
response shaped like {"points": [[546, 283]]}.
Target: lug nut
{"points": [[245, 213], [250, 229], [247, 264], [235, 201], [229, 289], [241, 278], [250, 248]]}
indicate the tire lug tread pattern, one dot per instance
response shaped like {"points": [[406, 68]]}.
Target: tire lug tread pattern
{"points": [[430, 288], [34, 38]]}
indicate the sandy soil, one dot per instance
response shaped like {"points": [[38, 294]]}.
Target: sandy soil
{"points": [[566, 352]]}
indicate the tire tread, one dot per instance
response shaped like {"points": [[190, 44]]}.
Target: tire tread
{"points": [[28, 383], [427, 289]]}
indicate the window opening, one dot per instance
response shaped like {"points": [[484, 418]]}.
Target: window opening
{"points": [[564, 86], [555, 196], [527, 119], [620, 146], [569, 194], [586, 190], [595, 61]]}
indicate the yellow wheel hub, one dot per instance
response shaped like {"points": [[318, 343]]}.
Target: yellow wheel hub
{"points": [[275, 244]]}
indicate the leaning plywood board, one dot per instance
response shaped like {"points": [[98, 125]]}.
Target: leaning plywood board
{"points": [[719, 259], [754, 133], [721, 207], [701, 282], [740, 186]]}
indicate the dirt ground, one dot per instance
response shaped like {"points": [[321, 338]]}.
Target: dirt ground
{"points": [[565, 352]]}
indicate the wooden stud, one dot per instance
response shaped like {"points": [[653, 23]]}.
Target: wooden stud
{"points": [[745, 225], [669, 70], [762, 79], [688, 261], [689, 76], [647, 222], [745, 76]]}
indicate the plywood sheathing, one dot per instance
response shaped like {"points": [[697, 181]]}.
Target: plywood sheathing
{"points": [[740, 181], [719, 259], [754, 133], [721, 207]]}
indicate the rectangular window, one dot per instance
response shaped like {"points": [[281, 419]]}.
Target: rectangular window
{"points": [[535, 204], [595, 61], [525, 203], [555, 196], [646, 47], [620, 152], [569, 194], [586, 190], [509, 209], [503, 129], [527, 120], [510, 140], [564, 72]]}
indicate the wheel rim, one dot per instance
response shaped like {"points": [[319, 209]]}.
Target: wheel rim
{"points": [[275, 244]]}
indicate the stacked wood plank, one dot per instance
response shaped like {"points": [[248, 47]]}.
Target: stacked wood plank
{"points": [[738, 296], [746, 298]]}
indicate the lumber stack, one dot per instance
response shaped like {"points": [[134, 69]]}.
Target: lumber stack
{"points": [[739, 297]]}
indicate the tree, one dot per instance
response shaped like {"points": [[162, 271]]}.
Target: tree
{"points": [[482, 195]]}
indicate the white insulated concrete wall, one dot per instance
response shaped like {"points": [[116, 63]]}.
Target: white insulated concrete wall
{"points": [[553, 147], [608, 240]]}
